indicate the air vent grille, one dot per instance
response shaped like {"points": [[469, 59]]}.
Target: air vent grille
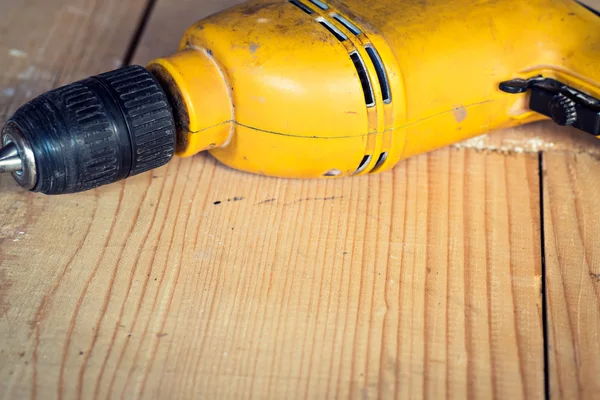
{"points": [[353, 39], [333, 29], [320, 4], [301, 6], [381, 73], [363, 75], [347, 24]]}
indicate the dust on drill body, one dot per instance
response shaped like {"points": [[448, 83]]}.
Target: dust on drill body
{"points": [[309, 88]]}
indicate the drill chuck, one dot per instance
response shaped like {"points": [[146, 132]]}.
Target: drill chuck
{"points": [[90, 133]]}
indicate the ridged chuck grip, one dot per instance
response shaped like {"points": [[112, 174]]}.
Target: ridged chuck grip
{"points": [[98, 130]]}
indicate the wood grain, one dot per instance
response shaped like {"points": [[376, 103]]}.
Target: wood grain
{"points": [[44, 44], [420, 282], [572, 226], [168, 22]]}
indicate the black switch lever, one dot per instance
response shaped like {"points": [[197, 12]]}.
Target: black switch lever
{"points": [[564, 104]]}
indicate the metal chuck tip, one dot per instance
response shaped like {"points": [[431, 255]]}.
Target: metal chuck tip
{"points": [[16, 156], [9, 159]]}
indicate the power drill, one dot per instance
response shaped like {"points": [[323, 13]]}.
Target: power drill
{"points": [[317, 88]]}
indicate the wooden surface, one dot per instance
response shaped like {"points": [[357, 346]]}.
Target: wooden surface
{"points": [[572, 222], [427, 281]]}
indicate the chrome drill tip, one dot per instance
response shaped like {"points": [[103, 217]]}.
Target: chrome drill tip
{"points": [[17, 156], [9, 159], [10, 150], [11, 164]]}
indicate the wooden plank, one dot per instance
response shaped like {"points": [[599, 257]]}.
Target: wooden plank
{"points": [[572, 226], [421, 282], [424, 281], [168, 22], [44, 44], [593, 4]]}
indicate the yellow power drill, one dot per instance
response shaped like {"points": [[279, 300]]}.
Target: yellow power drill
{"points": [[317, 88]]}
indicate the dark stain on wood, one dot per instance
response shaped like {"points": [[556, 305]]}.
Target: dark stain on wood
{"points": [[266, 201], [314, 199]]}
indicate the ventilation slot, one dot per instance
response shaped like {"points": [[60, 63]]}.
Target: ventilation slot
{"points": [[381, 74], [333, 172], [301, 6], [331, 28], [363, 164], [380, 161], [364, 78], [320, 4], [349, 25]]}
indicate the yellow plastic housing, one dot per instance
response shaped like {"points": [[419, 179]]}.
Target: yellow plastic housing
{"points": [[274, 86]]}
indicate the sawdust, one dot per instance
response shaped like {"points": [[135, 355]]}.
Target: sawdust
{"points": [[522, 145], [533, 138]]}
